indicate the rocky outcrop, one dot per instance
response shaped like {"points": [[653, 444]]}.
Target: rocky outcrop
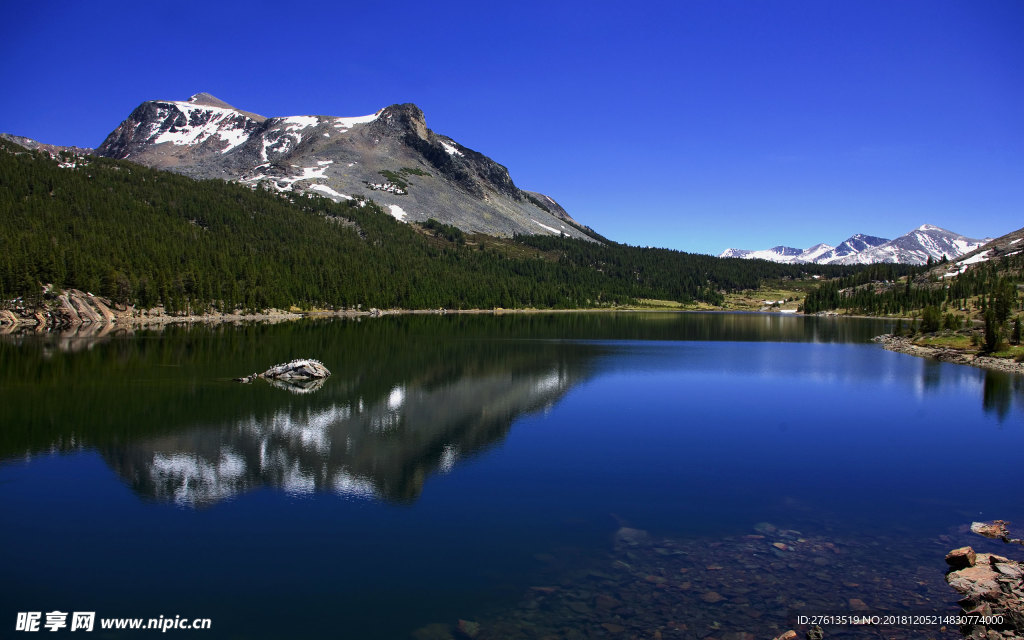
{"points": [[992, 587], [906, 345], [60, 310], [8, 318]]}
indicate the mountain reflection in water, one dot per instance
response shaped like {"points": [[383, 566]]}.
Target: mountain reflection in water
{"points": [[382, 448]]}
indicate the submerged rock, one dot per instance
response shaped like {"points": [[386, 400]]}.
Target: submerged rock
{"points": [[468, 628], [631, 536], [433, 631], [996, 529]]}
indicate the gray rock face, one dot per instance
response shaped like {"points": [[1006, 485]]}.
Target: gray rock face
{"points": [[390, 156]]}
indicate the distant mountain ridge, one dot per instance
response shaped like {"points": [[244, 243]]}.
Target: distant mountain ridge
{"points": [[914, 247], [390, 156]]}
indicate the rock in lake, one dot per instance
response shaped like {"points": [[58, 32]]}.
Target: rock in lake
{"points": [[995, 529], [302, 369]]}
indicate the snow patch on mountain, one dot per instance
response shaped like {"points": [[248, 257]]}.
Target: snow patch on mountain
{"points": [[297, 123], [962, 265], [329, 192], [452, 151], [347, 123], [261, 175], [544, 226], [398, 213], [193, 124]]}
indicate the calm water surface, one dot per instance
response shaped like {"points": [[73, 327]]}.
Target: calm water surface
{"points": [[559, 476]]}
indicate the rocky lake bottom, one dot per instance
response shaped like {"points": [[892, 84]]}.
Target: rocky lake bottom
{"points": [[747, 587]]}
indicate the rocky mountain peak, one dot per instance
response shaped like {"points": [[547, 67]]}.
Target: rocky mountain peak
{"points": [[207, 100], [390, 156], [404, 118]]}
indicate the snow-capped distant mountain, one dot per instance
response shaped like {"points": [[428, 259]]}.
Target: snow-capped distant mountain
{"points": [[775, 254], [786, 255], [819, 253], [852, 245], [390, 156], [914, 247]]}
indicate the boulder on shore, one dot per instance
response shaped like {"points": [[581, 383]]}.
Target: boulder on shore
{"points": [[993, 595]]}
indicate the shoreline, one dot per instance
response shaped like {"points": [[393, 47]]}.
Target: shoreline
{"points": [[83, 311], [90, 316], [901, 344], [42, 321]]}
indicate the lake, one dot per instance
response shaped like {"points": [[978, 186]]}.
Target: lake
{"points": [[582, 475]]}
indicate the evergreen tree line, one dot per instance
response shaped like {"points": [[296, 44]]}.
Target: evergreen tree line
{"points": [[146, 237], [675, 275], [990, 285]]}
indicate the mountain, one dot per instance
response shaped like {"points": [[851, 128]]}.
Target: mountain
{"points": [[914, 247], [785, 255], [390, 156], [818, 254], [1003, 247], [51, 149], [851, 246]]}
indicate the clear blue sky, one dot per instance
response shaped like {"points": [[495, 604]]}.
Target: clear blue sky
{"points": [[696, 124]]}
